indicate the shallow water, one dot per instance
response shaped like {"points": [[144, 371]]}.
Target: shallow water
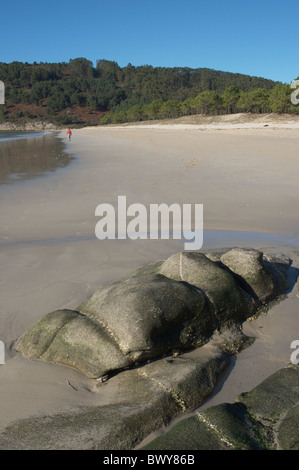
{"points": [[26, 155]]}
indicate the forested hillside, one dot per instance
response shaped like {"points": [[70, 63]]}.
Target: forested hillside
{"points": [[77, 93]]}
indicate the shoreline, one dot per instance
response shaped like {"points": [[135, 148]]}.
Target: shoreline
{"points": [[155, 165]]}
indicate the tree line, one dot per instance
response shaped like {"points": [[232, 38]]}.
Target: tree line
{"points": [[233, 100], [62, 90]]}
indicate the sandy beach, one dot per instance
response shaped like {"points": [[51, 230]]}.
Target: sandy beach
{"points": [[244, 173]]}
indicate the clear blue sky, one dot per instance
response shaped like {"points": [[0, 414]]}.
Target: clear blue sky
{"points": [[257, 38]]}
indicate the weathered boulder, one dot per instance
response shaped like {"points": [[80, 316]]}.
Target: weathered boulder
{"points": [[250, 270], [149, 315], [229, 301], [128, 321], [68, 337]]}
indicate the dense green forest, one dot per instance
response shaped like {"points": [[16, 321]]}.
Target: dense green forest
{"points": [[77, 93]]}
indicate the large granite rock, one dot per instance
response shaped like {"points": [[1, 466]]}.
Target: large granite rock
{"points": [[175, 304]]}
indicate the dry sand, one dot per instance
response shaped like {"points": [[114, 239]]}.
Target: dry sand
{"points": [[245, 175]]}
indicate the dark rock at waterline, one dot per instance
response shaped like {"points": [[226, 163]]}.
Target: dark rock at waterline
{"points": [[147, 398], [266, 418], [219, 428], [179, 303]]}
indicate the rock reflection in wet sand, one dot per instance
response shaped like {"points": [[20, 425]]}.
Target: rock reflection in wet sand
{"points": [[24, 159]]}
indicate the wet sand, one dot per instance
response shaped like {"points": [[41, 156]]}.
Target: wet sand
{"points": [[50, 258], [27, 158]]}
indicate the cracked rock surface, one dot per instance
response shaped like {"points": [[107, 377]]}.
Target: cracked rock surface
{"points": [[266, 418]]}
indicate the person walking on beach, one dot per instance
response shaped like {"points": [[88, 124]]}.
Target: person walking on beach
{"points": [[69, 134]]}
